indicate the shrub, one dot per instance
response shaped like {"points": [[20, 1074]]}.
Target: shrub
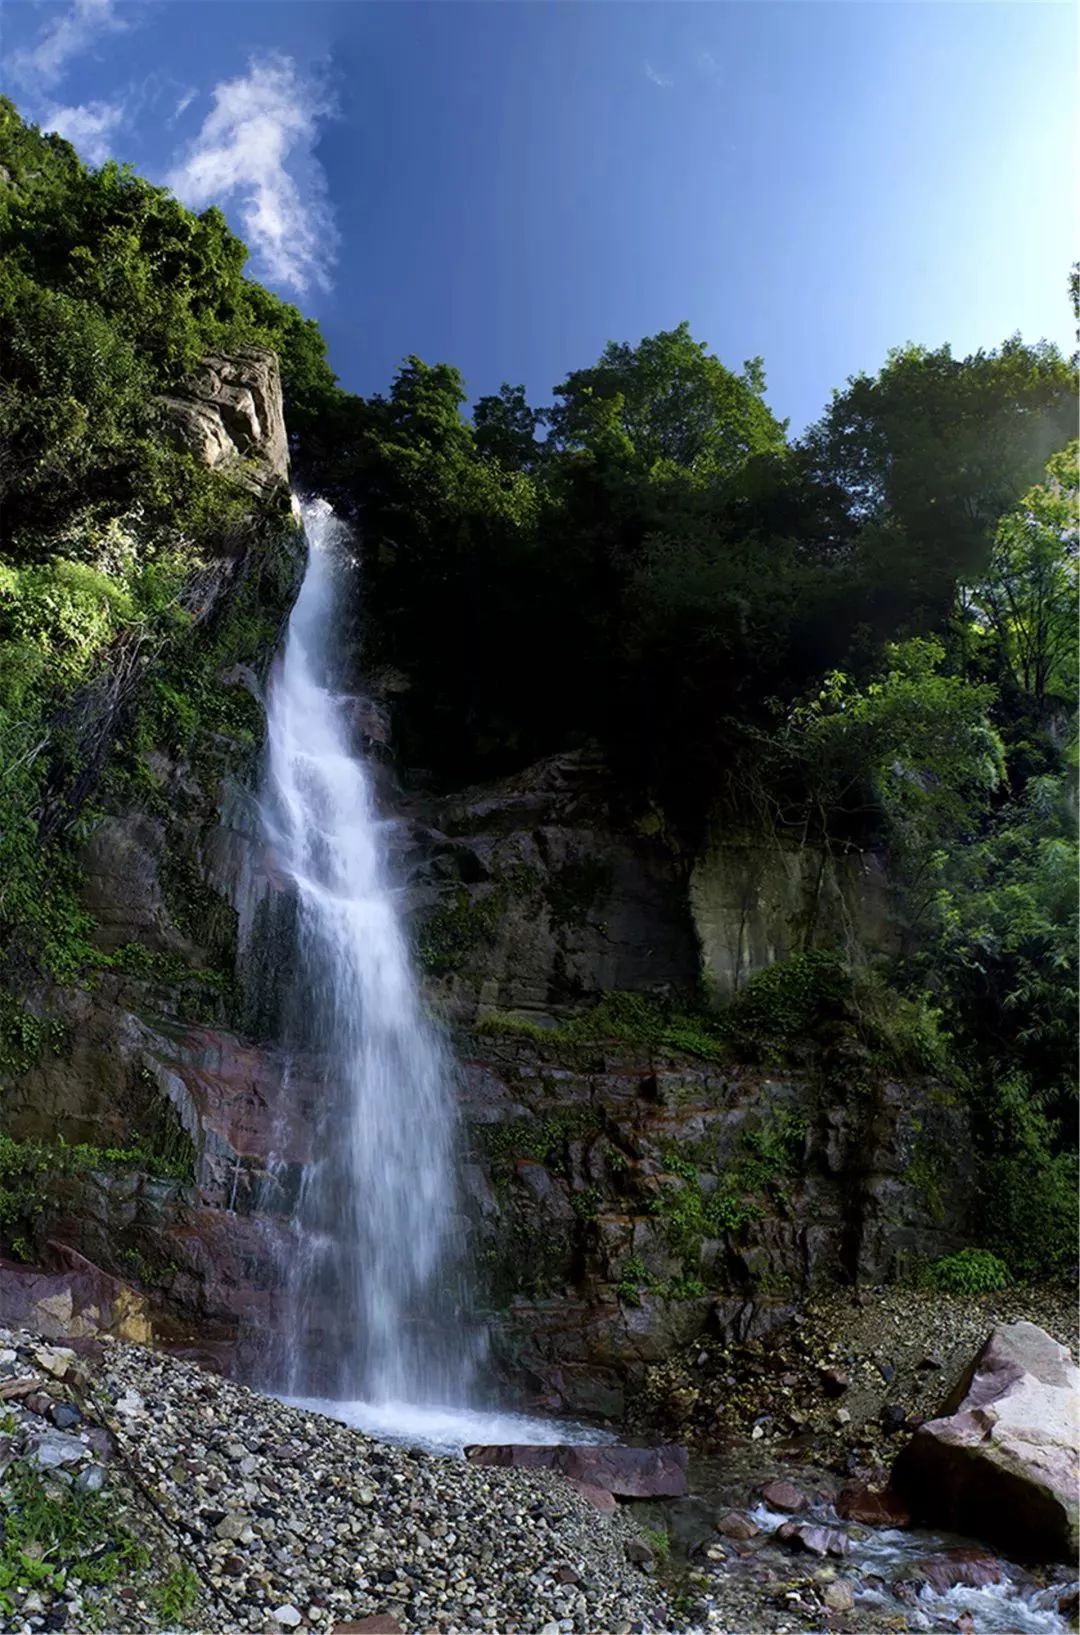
{"points": [[1030, 1212], [786, 1002], [972, 1271]]}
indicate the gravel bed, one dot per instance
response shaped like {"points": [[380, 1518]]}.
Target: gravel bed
{"points": [[290, 1520]]}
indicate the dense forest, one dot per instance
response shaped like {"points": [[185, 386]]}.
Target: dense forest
{"points": [[865, 635]]}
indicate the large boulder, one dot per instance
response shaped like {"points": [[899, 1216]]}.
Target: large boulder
{"points": [[72, 1299], [1001, 1462]]}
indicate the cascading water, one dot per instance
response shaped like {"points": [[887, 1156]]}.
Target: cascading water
{"points": [[375, 1318], [374, 1226]]}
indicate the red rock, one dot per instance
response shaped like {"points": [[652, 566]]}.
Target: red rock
{"points": [[21, 1386], [735, 1526], [380, 1623], [817, 1541], [599, 1497], [786, 1496], [858, 1502], [1000, 1462], [71, 1298], [970, 1567], [631, 1473]]}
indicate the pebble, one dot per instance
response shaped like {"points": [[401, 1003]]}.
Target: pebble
{"points": [[58, 1448], [839, 1596]]}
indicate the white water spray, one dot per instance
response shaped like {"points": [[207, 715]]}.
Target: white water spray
{"points": [[374, 1296]]}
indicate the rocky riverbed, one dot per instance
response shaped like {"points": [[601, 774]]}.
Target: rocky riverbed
{"points": [[140, 1492], [275, 1519]]}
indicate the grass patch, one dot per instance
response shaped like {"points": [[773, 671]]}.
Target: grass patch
{"points": [[52, 1535]]}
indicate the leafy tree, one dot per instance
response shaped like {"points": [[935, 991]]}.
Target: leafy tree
{"points": [[931, 453], [667, 400], [1002, 956], [912, 752], [506, 427], [1028, 597], [110, 290]]}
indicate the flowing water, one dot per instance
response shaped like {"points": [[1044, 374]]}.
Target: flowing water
{"points": [[374, 1292]]}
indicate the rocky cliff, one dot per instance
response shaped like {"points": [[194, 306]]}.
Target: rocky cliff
{"points": [[623, 1194]]}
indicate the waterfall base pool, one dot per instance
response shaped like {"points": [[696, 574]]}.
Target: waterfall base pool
{"points": [[447, 1430]]}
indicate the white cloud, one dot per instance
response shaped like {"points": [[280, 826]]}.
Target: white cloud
{"points": [[662, 80], [709, 65], [90, 126], [183, 104], [69, 37], [256, 146]]}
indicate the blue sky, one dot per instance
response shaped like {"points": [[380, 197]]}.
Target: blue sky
{"points": [[506, 186]]}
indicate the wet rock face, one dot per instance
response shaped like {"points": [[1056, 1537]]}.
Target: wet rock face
{"points": [[535, 895], [752, 900], [606, 1231], [229, 414], [1002, 1461], [620, 1208], [545, 890]]}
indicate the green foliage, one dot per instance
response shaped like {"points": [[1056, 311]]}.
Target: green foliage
{"points": [[56, 1538], [929, 455], [914, 745], [633, 1018], [769, 1154], [783, 1005], [620, 1018], [1029, 1183], [1029, 596], [1003, 961], [972, 1271], [58, 622], [176, 1598], [24, 1036], [633, 1276], [543, 1141], [110, 291], [659, 1543], [667, 401], [32, 1174], [52, 1536], [690, 1215], [450, 935]]}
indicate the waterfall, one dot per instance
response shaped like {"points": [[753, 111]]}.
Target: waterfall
{"points": [[373, 1307]]}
